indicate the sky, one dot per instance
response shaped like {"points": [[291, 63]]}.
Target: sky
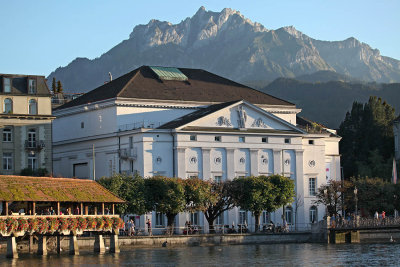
{"points": [[40, 36]]}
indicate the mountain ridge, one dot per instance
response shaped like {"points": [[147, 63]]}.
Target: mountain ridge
{"points": [[230, 45]]}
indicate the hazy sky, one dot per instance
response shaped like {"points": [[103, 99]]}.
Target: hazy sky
{"points": [[39, 36]]}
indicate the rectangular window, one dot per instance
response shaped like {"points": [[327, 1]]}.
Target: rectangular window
{"points": [[265, 217], [242, 217], [193, 176], [220, 219], [217, 139], [32, 161], [7, 135], [159, 219], [7, 85], [289, 215], [7, 161], [193, 138], [217, 178], [264, 140], [194, 218], [312, 186], [32, 86], [310, 142], [82, 125], [287, 141], [130, 142], [241, 139]]}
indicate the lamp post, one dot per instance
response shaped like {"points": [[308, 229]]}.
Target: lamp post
{"points": [[356, 199], [326, 197]]}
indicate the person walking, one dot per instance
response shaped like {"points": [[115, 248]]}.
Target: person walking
{"points": [[148, 226]]}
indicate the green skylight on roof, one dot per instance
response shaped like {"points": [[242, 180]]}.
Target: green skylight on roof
{"points": [[168, 73]]}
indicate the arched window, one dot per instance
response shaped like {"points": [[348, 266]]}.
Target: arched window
{"points": [[32, 107], [8, 105], [313, 214], [289, 215]]}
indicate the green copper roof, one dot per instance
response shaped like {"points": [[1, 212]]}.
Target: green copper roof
{"points": [[168, 73]]}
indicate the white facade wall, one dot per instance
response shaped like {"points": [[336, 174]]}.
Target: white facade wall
{"points": [[162, 152]]}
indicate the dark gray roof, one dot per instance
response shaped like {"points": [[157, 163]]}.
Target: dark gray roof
{"points": [[201, 86], [19, 85], [195, 115]]}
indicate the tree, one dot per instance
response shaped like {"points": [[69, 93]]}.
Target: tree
{"points": [[299, 202], [283, 190], [129, 188], [254, 194], [196, 194], [53, 85], [219, 200], [59, 87], [330, 195], [165, 195], [367, 139], [375, 194]]}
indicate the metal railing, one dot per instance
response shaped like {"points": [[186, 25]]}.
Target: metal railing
{"points": [[218, 230], [140, 124], [365, 223]]}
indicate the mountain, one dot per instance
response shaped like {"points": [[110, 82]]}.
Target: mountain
{"points": [[328, 102], [326, 76], [228, 44]]}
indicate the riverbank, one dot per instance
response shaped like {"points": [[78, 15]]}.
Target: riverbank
{"points": [[125, 242]]}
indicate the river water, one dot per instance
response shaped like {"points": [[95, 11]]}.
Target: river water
{"points": [[236, 255]]}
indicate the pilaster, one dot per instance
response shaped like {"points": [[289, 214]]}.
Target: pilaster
{"points": [[206, 163], [181, 162], [277, 161], [254, 162], [230, 163]]}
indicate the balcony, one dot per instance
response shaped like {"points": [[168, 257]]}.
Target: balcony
{"points": [[34, 145], [128, 153]]}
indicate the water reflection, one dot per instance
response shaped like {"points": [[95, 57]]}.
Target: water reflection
{"points": [[265, 255]]}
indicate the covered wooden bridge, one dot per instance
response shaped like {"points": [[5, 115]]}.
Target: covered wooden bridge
{"points": [[43, 206]]}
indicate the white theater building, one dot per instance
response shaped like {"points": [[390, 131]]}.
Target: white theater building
{"points": [[192, 123]]}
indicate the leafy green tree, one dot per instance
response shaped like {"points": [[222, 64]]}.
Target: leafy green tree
{"points": [[254, 194], [129, 188], [53, 85], [59, 87], [165, 195], [375, 194], [196, 194], [283, 190], [367, 139]]}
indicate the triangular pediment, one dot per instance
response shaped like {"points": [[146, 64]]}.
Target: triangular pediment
{"points": [[241, 115]]}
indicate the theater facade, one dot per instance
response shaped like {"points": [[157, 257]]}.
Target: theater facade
{"points": [[188, 123]]}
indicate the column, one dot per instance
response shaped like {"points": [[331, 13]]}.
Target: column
{"points": [[181, 162], [34, 208], [102, 208], [42, 246], [254, 160], [95, 210], [58, 237], [278, 161], [230, 163], [73, 245], [81, 208], [99, 244], [30, 243], [86, 210], [58, 208], [113, 209], [206, 163], [301, 214], [114, 246], [12, 248]]}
